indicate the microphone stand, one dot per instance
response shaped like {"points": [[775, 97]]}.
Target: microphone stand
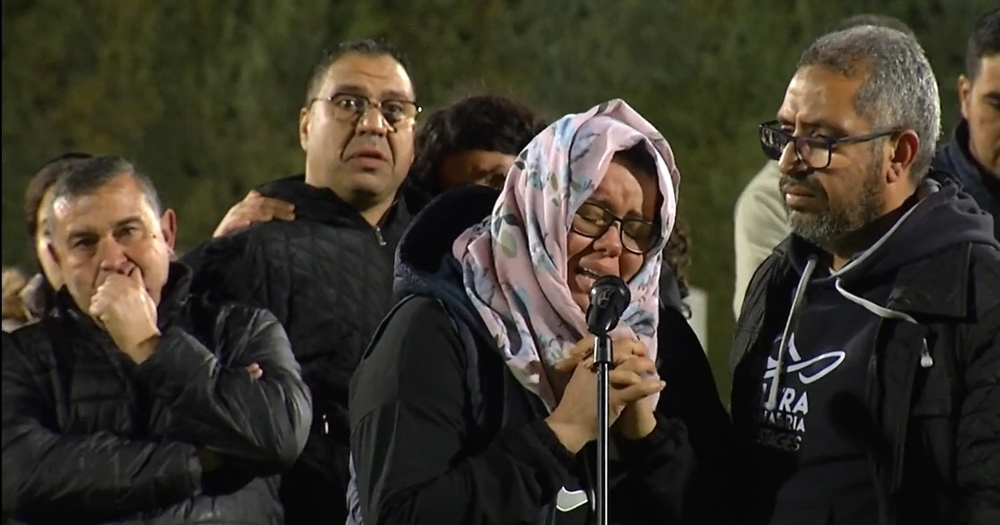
{"points": [[602, 359]]}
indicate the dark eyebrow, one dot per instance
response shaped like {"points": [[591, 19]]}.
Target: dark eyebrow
{"points": [[352, 89], [818, 124], [76, 235], [602, 202], [84, 233], [993, 96], [128, 221]]}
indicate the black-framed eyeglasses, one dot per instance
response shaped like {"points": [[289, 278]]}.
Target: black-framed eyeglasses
{"points": [[638, 236], [347, 107], [814, 152]]}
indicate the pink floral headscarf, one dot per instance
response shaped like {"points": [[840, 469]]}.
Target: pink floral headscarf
{"points": [[515, 262]]}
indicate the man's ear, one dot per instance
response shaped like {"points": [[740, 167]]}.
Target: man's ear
{"points": [[964, 95], [907, 146], [168, 227], [51, 248], [303, 127]]}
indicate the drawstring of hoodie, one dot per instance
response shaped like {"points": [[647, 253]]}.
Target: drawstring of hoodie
{"points": [[926, 361], [800, 292]]}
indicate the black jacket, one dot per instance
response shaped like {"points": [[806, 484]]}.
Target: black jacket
{"points": [[955, 160], [327, 277], [932, 412], [443, 433], [90, 437]]}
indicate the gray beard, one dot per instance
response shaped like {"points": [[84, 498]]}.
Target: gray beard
{"points": [[830, 226]]}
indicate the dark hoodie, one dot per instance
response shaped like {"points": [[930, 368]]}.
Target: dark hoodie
{"points": [[811, 449], [470, 445], [956, 160]]}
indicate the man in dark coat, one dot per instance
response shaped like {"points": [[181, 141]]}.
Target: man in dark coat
{"points": [[327, 274], [134, 401]]}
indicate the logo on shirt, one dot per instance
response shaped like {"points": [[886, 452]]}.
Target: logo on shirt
{"points": [[567, 500], [784, 427]]}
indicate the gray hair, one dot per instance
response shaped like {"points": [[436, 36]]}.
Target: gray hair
{"points": [[93, 174], [899, 90]]}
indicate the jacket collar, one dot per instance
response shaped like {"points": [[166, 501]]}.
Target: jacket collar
{"points": [[325, 206]]}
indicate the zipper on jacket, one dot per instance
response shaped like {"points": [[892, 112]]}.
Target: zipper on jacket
{"points": [[379, 237]]}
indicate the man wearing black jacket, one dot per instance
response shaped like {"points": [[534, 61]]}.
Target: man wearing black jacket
{"points": [[867, 354], [134, 401], [973, 153], [327, 274]]}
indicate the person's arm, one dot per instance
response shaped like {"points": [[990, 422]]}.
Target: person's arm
{"points": [[657, 470], [263, 421], [760, 223], [47, 474], [978, 451], [689, 452], [411, 437]]}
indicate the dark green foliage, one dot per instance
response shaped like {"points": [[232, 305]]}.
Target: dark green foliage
{"points": [[204, 96]]}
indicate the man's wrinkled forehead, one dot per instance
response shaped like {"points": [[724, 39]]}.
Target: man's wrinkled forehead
{"points": [[101, 210], [377, 76], [820, 100]]}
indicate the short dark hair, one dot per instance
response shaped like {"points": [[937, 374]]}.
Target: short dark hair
{"points": [[677, 255], [367, 46], [872, 19], [479, 122], [93, 174], [42, 180], [984, 41]]}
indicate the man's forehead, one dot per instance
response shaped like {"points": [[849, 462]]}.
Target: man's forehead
{"points": [[819, 93], [372, 74], [989, 71], [102, 208]]}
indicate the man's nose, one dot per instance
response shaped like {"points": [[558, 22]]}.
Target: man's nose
{"points": [[372, 121], [789, 161], [112, 256]]}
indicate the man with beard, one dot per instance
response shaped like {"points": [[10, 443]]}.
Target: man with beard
{"points": [[973, 153], [760, 221], [867, 353], [327, 274]]}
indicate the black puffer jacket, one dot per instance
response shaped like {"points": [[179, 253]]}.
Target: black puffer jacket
{"points": [[90, 437], [327, 277]]}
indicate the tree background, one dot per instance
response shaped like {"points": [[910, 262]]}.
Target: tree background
{"points": [[204, 95]]}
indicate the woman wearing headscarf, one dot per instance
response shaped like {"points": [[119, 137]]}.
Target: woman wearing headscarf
{"points": [[476, 402]]}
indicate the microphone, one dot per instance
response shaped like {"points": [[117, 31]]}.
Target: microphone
{"points": [[608, 299]]}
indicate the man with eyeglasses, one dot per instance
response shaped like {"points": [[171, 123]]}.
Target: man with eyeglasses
{"points": [[760, 221], [327, 274], [867, 356]]}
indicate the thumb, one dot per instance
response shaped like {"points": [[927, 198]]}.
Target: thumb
{"points": [[136, 276]]}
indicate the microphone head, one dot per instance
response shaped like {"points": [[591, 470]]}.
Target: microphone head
{"points": [[608, 299]]}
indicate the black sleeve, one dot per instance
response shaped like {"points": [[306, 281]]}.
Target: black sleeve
{"points": [[265, 421], [977, 447], [690, 395], [47, 474], [658, 470], [410, 436]]}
